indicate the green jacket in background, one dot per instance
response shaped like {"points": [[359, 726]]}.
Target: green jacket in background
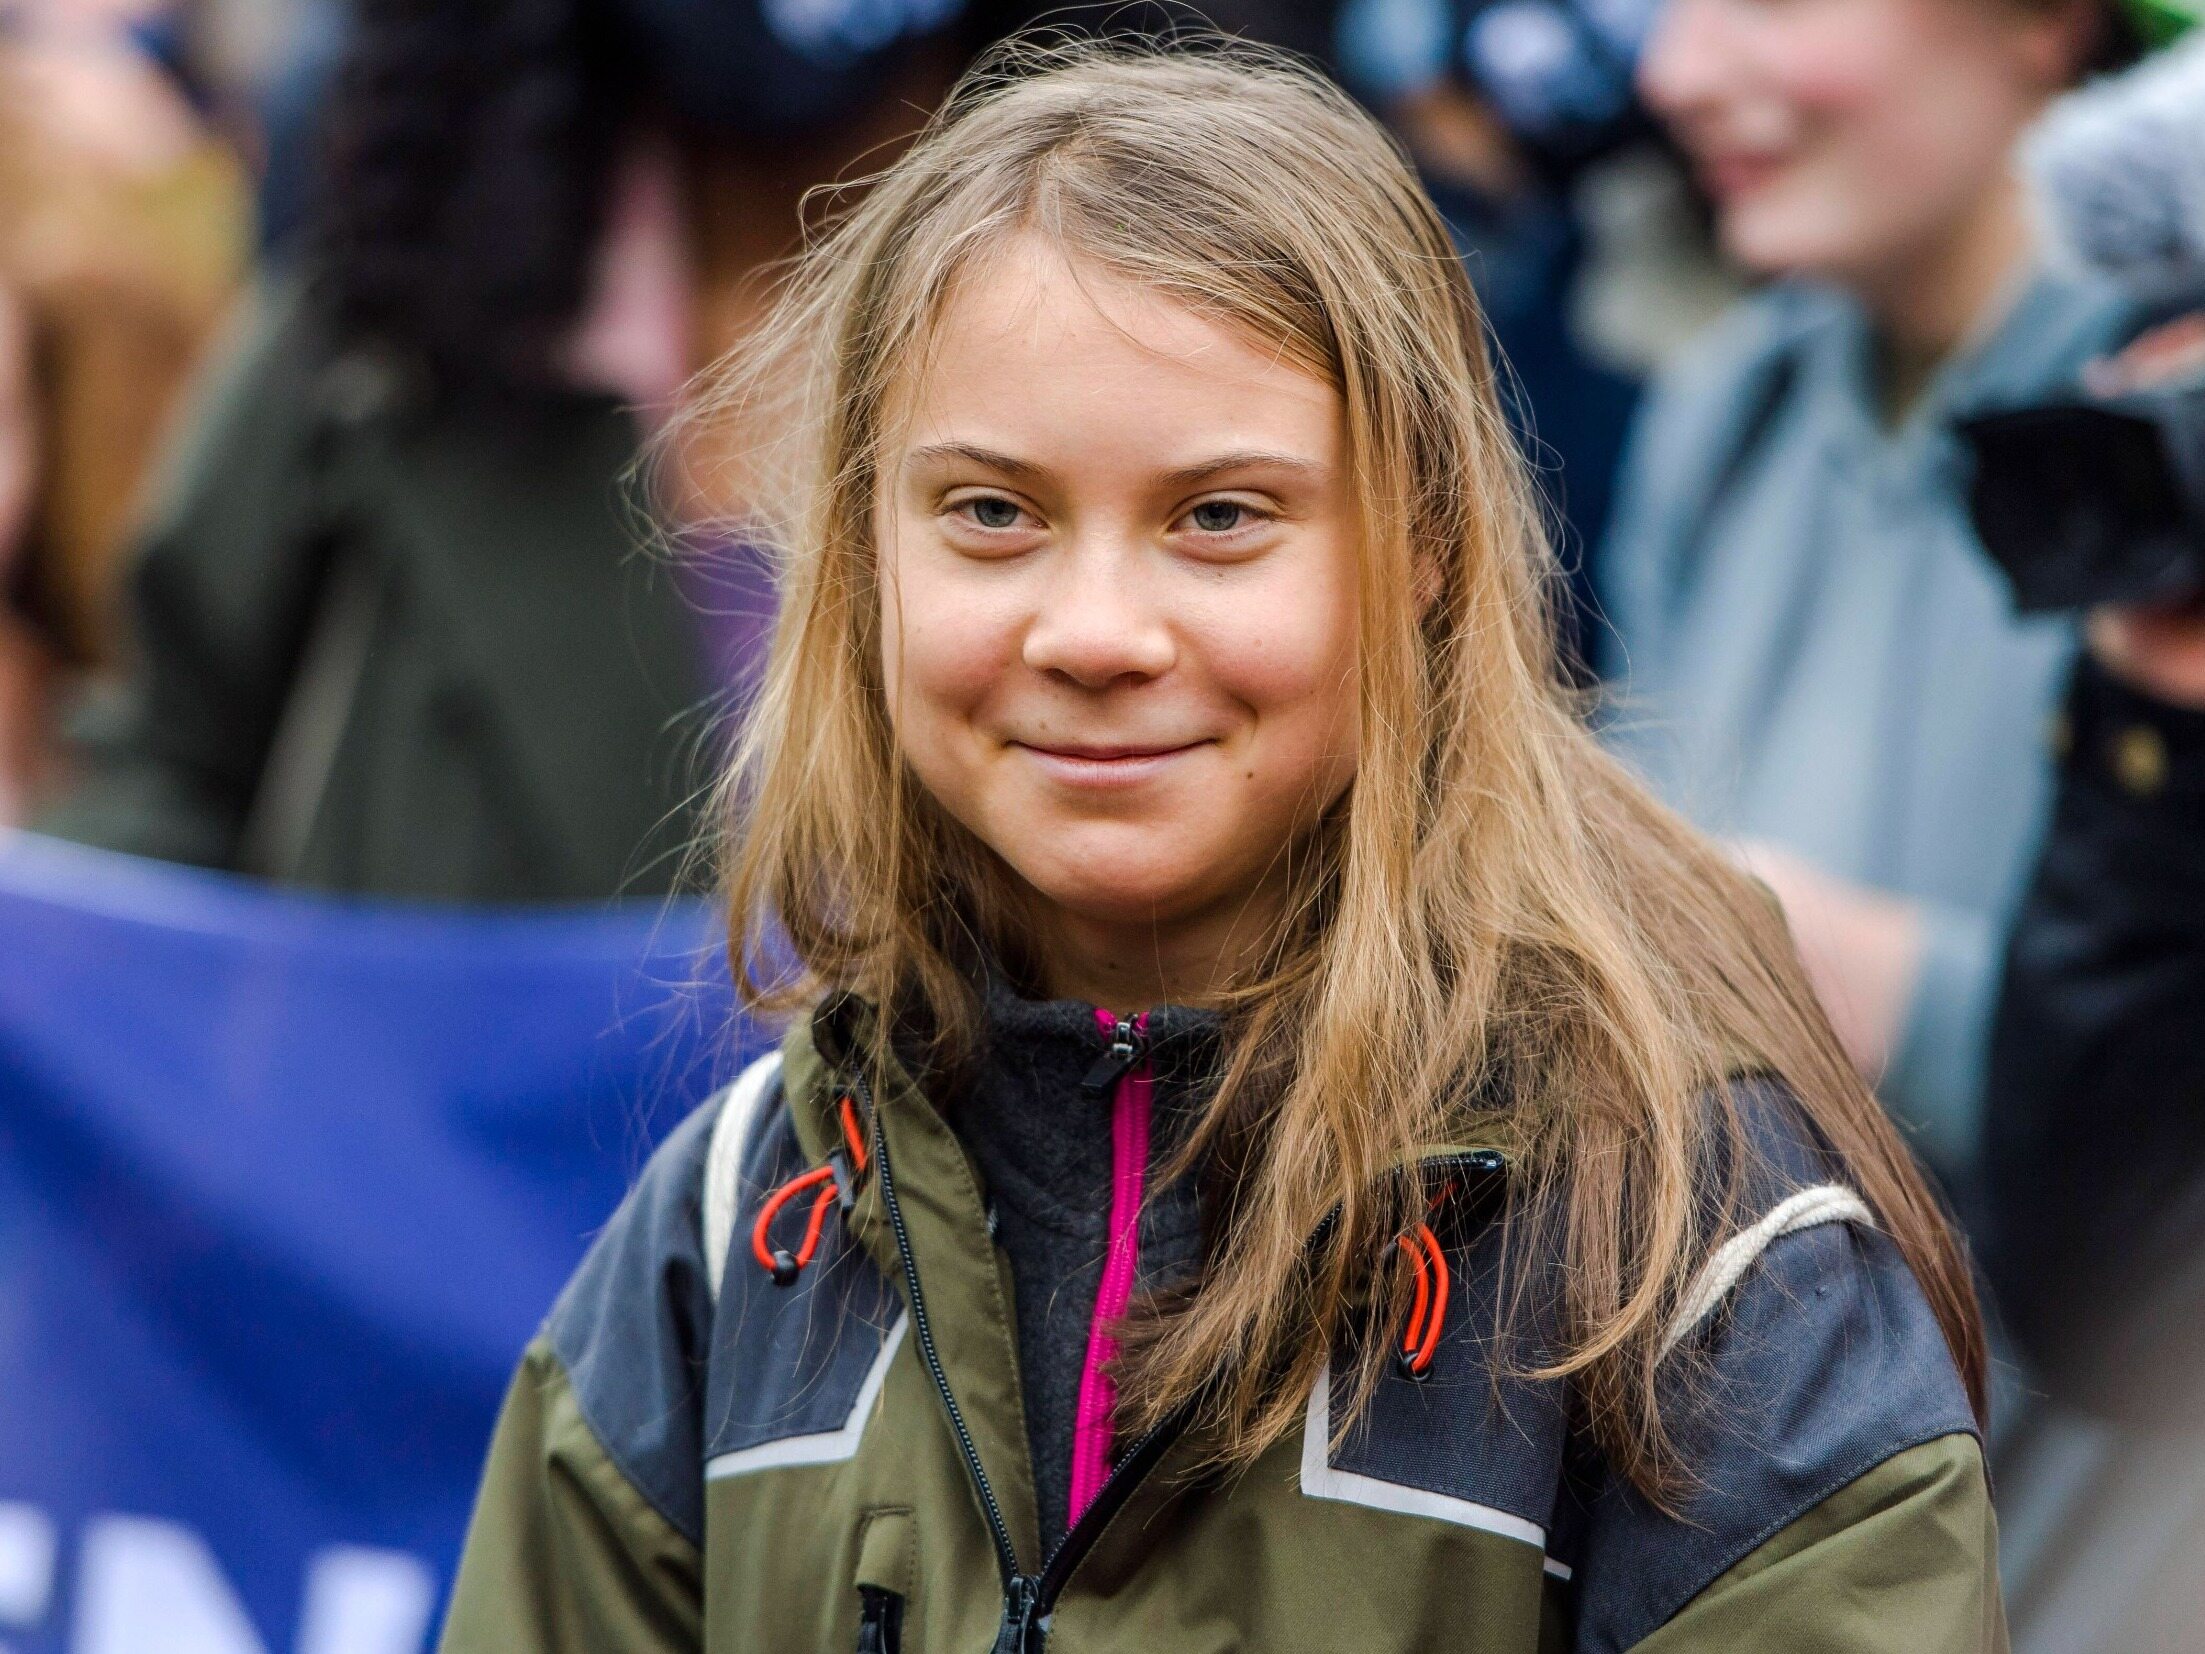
{"points": [[384, 647], [698, 1456]]}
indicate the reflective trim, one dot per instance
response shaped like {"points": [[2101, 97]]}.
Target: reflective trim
{"points": [[723, 1162], [828, 1446], [1321, 1479]]}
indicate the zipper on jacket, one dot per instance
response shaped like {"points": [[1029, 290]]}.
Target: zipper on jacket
{"points": [[1128, 1045], [1006, 1554], [1129, 1131], [1029, 1598], [880, 1620], [1124, 1480], [1021, 1631]]}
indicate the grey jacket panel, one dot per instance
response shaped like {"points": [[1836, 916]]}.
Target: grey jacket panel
{"points": [[1459, 1431], [1823, 1363], [631, 1329], [788, 1361]]}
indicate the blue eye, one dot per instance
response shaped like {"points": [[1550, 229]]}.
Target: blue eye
{"points": [[1217, 516], [993, 511]]}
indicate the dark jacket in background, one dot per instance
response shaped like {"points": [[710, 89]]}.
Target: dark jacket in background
{"points": [[384, 646], [2097, 1084]]}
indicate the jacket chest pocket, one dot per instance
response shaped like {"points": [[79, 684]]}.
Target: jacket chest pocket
{"points": [[887, 1569]]}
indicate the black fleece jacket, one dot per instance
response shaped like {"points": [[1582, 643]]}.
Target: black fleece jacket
{"points": [[1042, 1143]]}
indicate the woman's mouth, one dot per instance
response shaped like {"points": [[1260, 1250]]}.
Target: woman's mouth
{"points": [[1104, 764], [1734, 173]]}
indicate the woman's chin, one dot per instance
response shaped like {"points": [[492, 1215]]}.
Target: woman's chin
{"points": [[1113, 904], [1114, 894], [1773, 238]]}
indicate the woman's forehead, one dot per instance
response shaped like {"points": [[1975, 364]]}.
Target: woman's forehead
{"points": [[1037, 341]]}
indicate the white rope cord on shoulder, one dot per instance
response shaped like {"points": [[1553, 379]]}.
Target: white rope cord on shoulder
{"points": [[1824, 1203], [723, 1161]]}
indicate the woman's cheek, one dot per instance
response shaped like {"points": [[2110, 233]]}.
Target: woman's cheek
{"points": [[1835, 61], [1819, 62], [951, 638], [958, 653], [1293, 665]]}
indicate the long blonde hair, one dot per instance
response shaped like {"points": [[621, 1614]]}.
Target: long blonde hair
{"points": [[1496, 931]]}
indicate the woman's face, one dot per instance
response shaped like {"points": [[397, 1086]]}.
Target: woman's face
{"points": [[1849, 138], [1119, 599]]}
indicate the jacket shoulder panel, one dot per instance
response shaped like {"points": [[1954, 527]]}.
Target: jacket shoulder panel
{"points": [[667, 1379], [632, 1326], [793, 1367], [1903, 1560], [1464, 1442], [563, 1553], [1822, 1363], [1474, 1443], [735, 1128]]}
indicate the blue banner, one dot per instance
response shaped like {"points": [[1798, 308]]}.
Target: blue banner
{"points": [[285, 1185]]}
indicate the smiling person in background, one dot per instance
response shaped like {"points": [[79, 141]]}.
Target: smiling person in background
{"points": [[1813, 654]]}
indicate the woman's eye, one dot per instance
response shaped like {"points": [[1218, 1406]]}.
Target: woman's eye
{"points": [[1217, 516], [992, 511]]}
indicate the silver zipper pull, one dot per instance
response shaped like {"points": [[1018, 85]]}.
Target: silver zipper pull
{"points": [[1127, 1046]]}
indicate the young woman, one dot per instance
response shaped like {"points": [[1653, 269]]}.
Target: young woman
{"points": [[1287, 1146], [1816, 657]]}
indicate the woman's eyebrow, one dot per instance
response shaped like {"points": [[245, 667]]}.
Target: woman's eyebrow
{"points": [[972, 454], [1185, 476], [1246, 459]]}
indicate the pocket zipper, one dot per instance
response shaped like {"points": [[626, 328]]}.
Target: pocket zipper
{"points": [[880, 1620]]}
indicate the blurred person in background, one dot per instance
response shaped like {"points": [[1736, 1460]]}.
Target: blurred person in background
{"points": [[394, 626], [124, 224], [1815, 656], [2095, 1148], [391, 628], [2096, 1154], [2097, 1160], [1505, 105]]}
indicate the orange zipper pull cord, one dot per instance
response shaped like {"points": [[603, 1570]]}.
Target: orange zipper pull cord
{"points": [[1428, 1312], [832, 1182]]}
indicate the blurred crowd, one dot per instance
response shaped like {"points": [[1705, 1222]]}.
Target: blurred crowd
{"points": [[351, 536]]}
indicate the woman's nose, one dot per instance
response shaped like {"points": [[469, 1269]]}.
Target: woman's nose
{"points": [[1100, 618]]}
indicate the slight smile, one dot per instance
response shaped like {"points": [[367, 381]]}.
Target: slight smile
{"points": [[1104, 766], [1738, 173]]}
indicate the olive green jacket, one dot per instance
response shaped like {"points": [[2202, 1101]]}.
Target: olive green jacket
{"points": [[696, 1456], [385, 646]]}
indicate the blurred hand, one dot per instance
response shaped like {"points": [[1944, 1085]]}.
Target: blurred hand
{"points": [[2162, 355], [1862, 949], [2159, 650]]}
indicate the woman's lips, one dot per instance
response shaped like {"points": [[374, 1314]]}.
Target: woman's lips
{"points": [[1104, 766], [1729, 176]]}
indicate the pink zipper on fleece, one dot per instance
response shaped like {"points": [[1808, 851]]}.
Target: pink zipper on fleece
{"points": [[1129, 1119]]}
